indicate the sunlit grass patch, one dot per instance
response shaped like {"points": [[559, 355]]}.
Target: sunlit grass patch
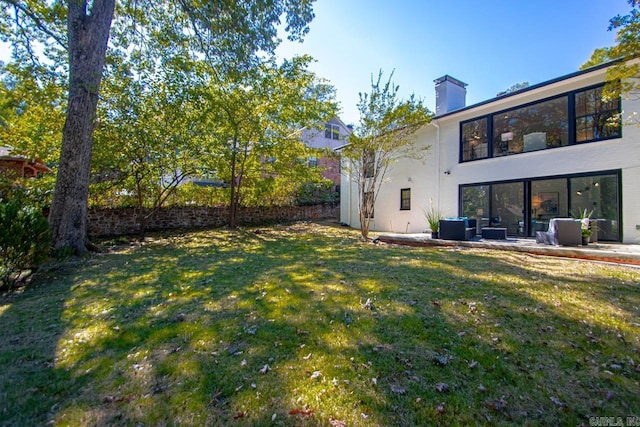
{"points": [[307, 325]]}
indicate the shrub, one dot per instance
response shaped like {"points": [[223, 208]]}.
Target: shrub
{"points": [[24, 241], [312, 193]]}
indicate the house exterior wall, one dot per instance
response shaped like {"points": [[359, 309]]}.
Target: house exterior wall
{"points": [[421, 177], [315, 138], [430, 185]]}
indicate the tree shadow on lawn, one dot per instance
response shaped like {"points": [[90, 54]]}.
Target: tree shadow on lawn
{"points": [[33, 325], [237, 327]]}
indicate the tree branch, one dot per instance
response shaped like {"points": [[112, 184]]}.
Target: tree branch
{"points": [[37, 22]]}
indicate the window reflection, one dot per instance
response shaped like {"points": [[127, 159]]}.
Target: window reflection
{"points": [[535, 127], [474, 140], [596, 118]]}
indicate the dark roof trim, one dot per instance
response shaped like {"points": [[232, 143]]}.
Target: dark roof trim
{"points": [[530, 88]]}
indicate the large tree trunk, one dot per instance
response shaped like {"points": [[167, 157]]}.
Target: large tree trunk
{"points": [[88, 35]]}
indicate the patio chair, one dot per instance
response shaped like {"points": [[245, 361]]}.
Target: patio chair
{"points": [[562, 231], [456, 229]]}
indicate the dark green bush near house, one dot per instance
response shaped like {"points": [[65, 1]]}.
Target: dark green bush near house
{"points": [[24, 242], [313, 193]]}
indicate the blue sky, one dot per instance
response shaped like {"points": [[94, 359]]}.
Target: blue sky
{"points": [[488, 44]]}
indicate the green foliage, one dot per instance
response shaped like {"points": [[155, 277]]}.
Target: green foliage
{"points": [[28, 191], [585, 226], [383, 136], [32, 112], [169, 35], [599, 56], [312, 193], [621, 77], [252, 121], [147, 143], [433, 217], [24, 241]]}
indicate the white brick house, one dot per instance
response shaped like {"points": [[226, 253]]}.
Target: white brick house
{"points": [[518, 160]]}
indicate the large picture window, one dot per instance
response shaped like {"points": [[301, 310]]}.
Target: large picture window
{"points": [[573, 118], [535, 127]]}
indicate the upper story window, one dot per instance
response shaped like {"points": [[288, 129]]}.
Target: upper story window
{"points": [[369, 163], [474, 140], [331, 131], [595, 118], [531, 128], [572, 118], [312, 162]]}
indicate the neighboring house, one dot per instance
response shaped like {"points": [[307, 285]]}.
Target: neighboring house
{"points": [[334, 135], [518, 160], [330, 136], [17, 166]]}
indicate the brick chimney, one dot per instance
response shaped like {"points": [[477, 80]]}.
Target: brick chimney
{"points": [[451, 94]]}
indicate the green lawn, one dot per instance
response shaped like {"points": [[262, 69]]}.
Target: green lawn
{"points": [[307, 325]]}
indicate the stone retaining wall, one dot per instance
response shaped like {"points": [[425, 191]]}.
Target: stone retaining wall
{"points": [[124, 221]]}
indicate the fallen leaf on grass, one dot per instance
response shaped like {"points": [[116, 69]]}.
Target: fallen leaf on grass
{"points": [[440, 359], [557, 401], [440, 408], [473, 364], [397, 389], [265, 369], [497, 405], [240, 415], [118, 399], [302, 412], [442, 387], [337, 423], [316, 374]]}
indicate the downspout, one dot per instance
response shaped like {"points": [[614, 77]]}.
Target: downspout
{"points": [[438, 165], [350, 195]]}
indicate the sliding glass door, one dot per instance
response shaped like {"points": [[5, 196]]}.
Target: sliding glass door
{"points": [[549, 199], [507, 207], [525, 207], [598, 196]]}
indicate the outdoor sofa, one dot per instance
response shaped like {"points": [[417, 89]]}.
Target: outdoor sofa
{"points": [[457, 229]]}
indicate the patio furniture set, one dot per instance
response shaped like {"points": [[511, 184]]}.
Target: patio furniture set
{"points": [[466, 229], [562, 231]]}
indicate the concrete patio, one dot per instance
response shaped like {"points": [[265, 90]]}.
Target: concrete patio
{"points": [[606, 252]]}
